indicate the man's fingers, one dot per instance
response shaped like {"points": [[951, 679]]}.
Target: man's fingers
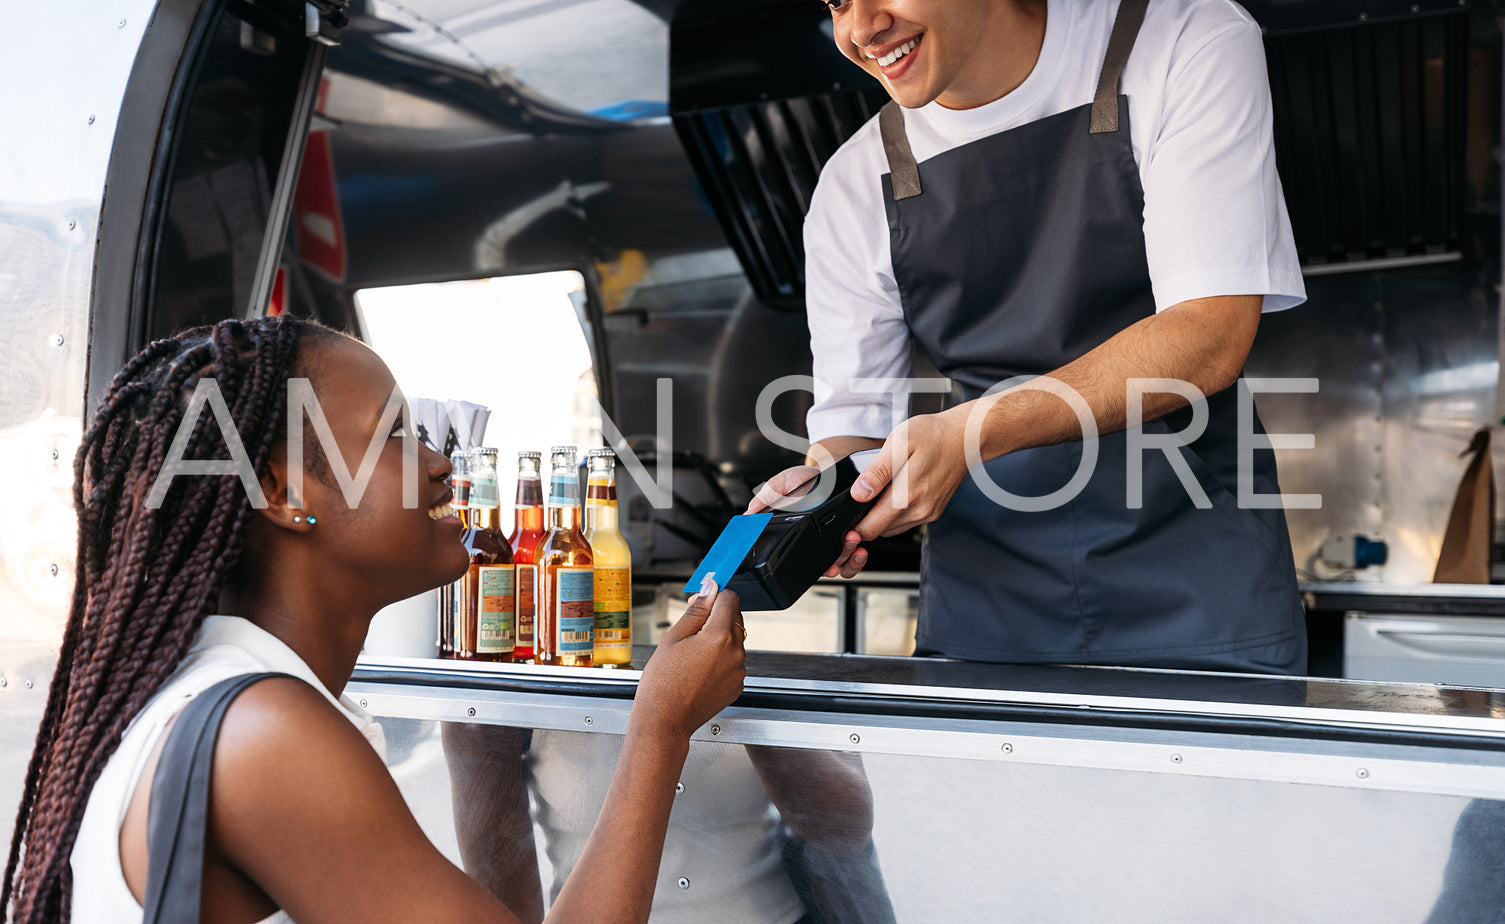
{"points": [[876, 476], [854, 564], [774, 489], [878, 521]]}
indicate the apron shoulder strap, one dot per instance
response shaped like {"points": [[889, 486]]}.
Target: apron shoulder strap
{"points": [[178, 817], [1125, 30], [901, 162]]}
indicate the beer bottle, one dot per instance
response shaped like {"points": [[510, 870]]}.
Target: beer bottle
{"points": [[613, 562], [487, 599], [566, 579], [448, 608], [526, 535]]}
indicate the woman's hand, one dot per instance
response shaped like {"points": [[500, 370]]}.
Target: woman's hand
{"points": [[698, 668]]}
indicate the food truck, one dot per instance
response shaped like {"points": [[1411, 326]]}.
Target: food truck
{"points": [[586, 216]]}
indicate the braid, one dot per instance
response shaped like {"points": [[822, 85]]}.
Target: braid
{"points": [[146, 578]]}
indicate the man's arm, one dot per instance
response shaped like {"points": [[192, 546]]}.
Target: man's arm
{"points": [[1203, 342]]}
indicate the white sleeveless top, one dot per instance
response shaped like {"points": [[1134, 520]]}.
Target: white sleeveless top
{"points": [[227, 646]]}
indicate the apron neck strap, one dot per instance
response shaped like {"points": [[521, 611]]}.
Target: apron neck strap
{"points": [[901, 162], [1125, 30], [905, 173]]}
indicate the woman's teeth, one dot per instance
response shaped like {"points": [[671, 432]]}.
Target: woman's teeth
{"points": [[440, 512], [898, 53]]}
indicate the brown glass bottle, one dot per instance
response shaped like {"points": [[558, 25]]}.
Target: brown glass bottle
{"points": [[448, 610], [526, 535], [566, 579], [487, 596]]}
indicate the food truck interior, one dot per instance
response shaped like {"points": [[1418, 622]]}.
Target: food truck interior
{"points": [[560, 203]]}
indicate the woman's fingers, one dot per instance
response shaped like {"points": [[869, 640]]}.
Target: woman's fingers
{"points": [[697, 612]]}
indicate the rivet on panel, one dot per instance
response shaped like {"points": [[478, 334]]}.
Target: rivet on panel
{"points": [[72, 224], [1363, 774], [363, 704], [2, 681], [678, 787], [589, 721], [29, 684], [56, 340], [120, 24], [1008, 748], [54, 455], [53, 568], [91, 120], [1175, 758], [471, 712], [715, 729], [856, 738], [684, 883]]}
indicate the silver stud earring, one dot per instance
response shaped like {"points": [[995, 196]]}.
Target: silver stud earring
{"points": [[297, 519]]}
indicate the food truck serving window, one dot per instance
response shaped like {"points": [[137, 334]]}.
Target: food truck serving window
{"points": [[513, 344]]}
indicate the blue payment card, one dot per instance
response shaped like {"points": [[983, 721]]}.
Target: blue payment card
{"points": [[730, 548]]}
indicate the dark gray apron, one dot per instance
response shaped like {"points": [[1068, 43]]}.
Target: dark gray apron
{"points": [[1014, 255]]}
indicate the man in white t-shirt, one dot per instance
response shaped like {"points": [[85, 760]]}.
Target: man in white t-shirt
{"points": [[1084, 191]]}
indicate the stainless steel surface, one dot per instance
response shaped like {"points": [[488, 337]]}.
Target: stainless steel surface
{"points": [[73, 62], [1372, 266], [1465, 650], [944, 688], [973, 819], [1407, 366], [1226, 754]]}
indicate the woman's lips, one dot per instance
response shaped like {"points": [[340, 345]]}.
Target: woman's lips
{"points": [[445, 513]]}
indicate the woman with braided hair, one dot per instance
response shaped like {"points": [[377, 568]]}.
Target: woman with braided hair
{"points": [[177, 591]]}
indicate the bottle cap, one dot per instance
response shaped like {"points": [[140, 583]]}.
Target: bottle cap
{"points": [[530, 454], [601, 454]]}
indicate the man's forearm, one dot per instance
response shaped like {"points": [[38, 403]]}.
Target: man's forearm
{"points": [[1203, 343]]}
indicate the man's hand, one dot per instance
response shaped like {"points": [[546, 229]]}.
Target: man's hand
{"points": [[853, 556], [919, 468]]}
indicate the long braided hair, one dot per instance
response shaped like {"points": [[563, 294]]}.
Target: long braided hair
{"points": [[146, 578]]}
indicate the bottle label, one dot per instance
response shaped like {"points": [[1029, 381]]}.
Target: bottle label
{"points": [[613, 607], [529, 493], [576, 609], [498, 606], [461, 487], [601, 492], [483, 493], [527, 575]]}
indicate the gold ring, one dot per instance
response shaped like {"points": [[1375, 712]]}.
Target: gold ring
{"points": [[744, 631]]}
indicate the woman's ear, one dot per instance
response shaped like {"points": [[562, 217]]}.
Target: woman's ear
{"points": [[282, 511]]}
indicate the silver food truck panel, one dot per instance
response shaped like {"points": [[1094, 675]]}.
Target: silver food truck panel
{"points": [[1049, 794], [481, 139]]}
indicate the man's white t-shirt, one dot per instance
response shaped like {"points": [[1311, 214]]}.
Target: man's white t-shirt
{"points": [[1215, 220]]}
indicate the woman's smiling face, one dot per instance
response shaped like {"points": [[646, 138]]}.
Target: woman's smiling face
{"points": [[376, 530]]}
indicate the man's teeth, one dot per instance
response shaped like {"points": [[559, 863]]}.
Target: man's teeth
{"points": [[898, 53], [440, 512]]}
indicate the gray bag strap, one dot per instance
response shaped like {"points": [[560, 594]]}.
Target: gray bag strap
{"points": [[1120, 42], [901, 162], [178, 821]]}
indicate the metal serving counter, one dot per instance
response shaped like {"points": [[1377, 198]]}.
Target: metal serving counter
{"points": [[872, 789]]}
